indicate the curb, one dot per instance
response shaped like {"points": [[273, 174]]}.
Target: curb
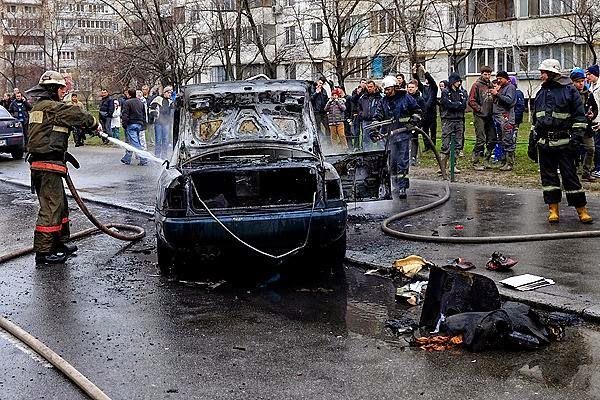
{"points": [[587, 310], [132, 207]]}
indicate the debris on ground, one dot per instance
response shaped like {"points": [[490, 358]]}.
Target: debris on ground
{"points": [[526, 282], [498, 262], [401, 325], [460, 264], [412, 293], [452, 292], [411, 265], [438, 343]]}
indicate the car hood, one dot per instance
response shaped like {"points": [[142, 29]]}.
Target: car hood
{"points": [[247, 113]]}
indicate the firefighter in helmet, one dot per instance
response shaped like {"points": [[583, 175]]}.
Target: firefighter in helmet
{"points": [[559, 125], [50, 123]]}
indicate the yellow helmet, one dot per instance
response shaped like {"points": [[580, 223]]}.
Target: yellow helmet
{"points": [[52, 78]]}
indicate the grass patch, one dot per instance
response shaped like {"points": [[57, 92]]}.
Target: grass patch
{"points": [[523, 165]]}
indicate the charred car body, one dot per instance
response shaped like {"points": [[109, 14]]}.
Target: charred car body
{"points": [[248, 174]]}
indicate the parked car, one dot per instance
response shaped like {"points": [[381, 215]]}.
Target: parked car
{"points": [[248, 176], [11, 135]]}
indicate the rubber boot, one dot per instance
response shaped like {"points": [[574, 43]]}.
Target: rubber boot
{"points": [[509, 162], [553, 216], [477, 162], [444, 158], [584, 216]]}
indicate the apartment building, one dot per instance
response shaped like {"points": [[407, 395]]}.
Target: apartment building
{"points": [[511, 35], [52, 34]]}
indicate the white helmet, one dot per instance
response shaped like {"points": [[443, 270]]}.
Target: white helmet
{"points": [[389, 81], [52, 78], [550, 65]]}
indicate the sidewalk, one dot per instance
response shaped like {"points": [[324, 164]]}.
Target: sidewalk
{"points": [[481, 210]]}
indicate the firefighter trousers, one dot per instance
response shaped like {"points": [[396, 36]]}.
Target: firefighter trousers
{"points": [[560, 158], [52, 226]]}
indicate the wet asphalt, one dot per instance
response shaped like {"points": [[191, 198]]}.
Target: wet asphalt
{"points": [[138, 335]]}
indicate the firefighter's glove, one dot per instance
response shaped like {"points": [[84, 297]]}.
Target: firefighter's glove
{"points": [[532, 150], [415, 119], [376, 136], [576, 142]]}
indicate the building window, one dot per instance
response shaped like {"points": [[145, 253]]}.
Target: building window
{"points": [[567, 54], [290, 35], [359, 28], [316, 31], [382, 22], [12, 9], [548, 7], [218, 74], [490, 10], [317, 70], [357, 67], [290, 71], [500, 59]]}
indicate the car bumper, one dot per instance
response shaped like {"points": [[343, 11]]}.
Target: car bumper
{"points": [[11, 142], [268, 231]]}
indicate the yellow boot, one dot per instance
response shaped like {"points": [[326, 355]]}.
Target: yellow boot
{"points": [[584, 216], [553, 215]]}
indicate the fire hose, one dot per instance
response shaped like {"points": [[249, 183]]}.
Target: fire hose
{"points": [[535, 237], [111, 229]]}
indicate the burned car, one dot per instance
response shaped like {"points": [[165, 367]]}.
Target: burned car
{"points": [[248, 177]]}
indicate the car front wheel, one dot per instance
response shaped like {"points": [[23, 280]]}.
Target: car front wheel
{"points": [[17, 154]]}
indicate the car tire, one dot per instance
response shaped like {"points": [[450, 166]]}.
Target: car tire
{"points": [[165, 257], [17, 154]]}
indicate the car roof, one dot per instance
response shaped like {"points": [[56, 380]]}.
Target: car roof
{"points": [[216, 88], [4, 113]]}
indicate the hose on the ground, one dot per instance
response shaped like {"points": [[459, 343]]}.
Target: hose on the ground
{"points": [[57, 361], [111, 229], [68, 370], [535, 237]]}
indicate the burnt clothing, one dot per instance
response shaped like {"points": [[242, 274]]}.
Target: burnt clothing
{"points": [[52, 225], [559, 124], [133, 112]]}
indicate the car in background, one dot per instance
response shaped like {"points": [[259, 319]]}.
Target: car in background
{"points": [[11, 135], [248, 177]]}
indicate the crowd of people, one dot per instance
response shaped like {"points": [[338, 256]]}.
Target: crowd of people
{"points": [[565, 133]]}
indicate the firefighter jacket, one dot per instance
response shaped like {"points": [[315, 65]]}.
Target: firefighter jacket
{"points": [[50, 123], [399, 107], [558, 111]]}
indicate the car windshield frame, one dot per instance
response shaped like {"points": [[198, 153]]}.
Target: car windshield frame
{"points": [[4, 114]]}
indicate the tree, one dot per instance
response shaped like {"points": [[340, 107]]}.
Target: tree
{"points": [[582, 21], [454, 26], [155, 40], [345, 24]]}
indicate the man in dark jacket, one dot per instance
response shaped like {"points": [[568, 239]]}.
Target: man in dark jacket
{"points": [[106, 109], [133, 116], [19, 108], [51, 121], [559, 125], [453, 103], [413, 90], [480, 101], [591, 111], [398, 106], [505, 98], [429, 91], [367, 104], [318, 100]]}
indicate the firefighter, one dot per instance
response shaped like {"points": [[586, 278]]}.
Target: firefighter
{"points": [[402, 108], [559, 125], [50, 123]]}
